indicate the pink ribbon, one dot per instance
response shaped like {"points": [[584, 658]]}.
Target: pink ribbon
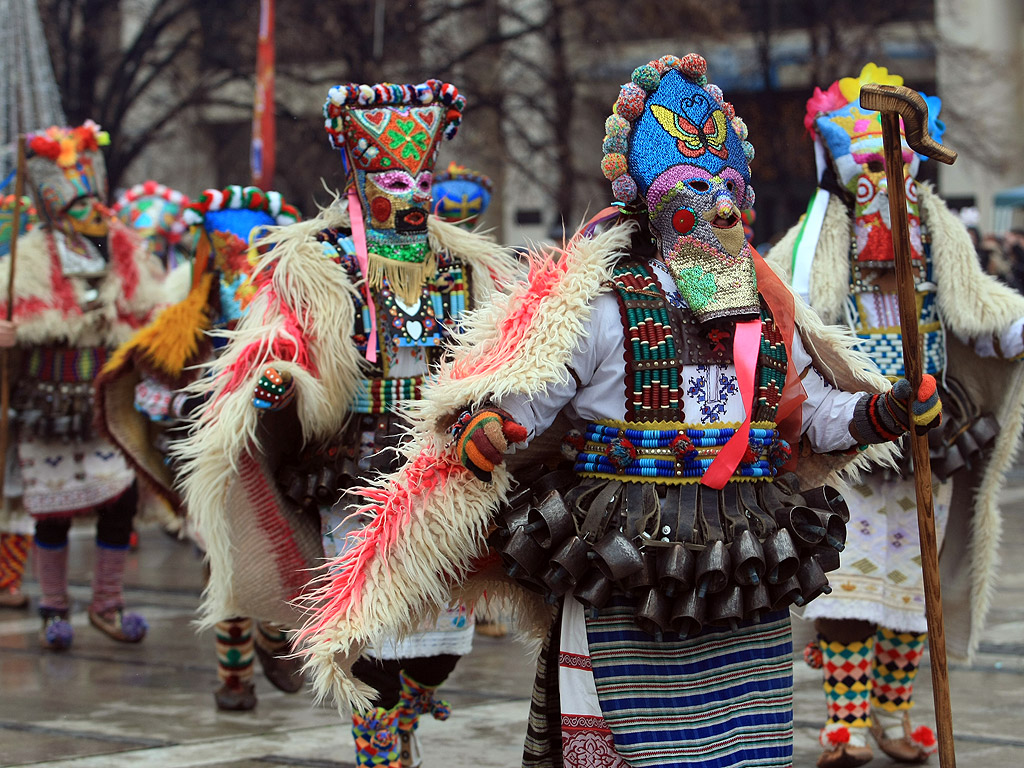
{"points": [[746, 345], [355, 213]]}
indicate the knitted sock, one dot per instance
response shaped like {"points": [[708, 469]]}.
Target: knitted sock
{"points": [[376, 737], [847, 682], [234, 652], [52, 573], [417, 699], [108, 579], [13, 557], [897, 659], [271, 637]]}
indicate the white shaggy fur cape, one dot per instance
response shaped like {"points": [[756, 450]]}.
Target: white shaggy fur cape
{"points": [[971, 304], [301, 322], [432, 515], [48, 304]]}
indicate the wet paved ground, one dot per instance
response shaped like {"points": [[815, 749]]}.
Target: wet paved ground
{"points": [[103, 705]]}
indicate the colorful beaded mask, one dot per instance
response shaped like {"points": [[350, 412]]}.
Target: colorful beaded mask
{"points": [[853, 139], [677, 148], [26, 220], [155, 212], [69, 179], [228, 220], [390, 135], [460, 195]]}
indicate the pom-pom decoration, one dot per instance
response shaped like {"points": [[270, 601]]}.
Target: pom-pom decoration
{"points": [[572, 443], [624, 188], [693, 65], [833, 738], [647, 77], [342, 98], [682, 446], [813, 657], [924, 737], [616, 125], [621, 453], [630, 102], [615, 144], [235, 198], [613, 165]]}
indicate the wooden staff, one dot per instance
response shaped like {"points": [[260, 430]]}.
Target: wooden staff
{"points": [[894, 102], [5, 353]]}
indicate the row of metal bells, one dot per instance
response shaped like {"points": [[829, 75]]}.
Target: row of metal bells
{"points": [[678, 588], [313, 489]]}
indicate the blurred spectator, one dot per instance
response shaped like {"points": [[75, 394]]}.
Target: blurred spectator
{"points": [[1013, 249]]}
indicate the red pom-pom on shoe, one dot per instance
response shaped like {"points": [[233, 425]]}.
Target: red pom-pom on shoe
{"points": [[835, 738], [812, 655], [924, 737]]}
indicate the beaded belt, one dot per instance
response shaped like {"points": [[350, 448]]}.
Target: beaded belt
{"points": [[672, 453], [63, 364], [376, 396]]}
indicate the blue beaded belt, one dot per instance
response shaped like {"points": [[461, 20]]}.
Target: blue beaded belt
{"points": [[671, 453]]}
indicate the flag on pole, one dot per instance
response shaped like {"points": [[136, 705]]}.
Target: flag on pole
{"points": [[264, 137]]}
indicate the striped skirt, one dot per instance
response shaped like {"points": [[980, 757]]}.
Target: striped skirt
{"points": [[723, 699]]}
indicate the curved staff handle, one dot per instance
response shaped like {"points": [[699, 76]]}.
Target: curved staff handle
{"points": [[894, 102], [908, 104]]}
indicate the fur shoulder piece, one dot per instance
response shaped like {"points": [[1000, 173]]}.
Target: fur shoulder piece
{"points": [[431, 517], [830, 274], [493, 268], [48, 304]]}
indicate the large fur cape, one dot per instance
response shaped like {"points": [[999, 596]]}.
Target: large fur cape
{"points": [[972, 304], [426, 542], [167, 349], [300, 321], [48, 304]]}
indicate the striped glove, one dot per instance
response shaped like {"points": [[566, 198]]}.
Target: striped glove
{"points": [[274, 390], [886, 417], [482, 437]]}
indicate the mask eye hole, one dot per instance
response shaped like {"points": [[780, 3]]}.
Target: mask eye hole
{"points": [[698, 185], [876, 166], [731, 186]]}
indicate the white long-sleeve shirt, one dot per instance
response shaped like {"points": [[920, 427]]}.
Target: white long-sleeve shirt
{"points": [[710, 393]]}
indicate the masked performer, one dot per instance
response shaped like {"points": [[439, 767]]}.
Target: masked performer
{"points": [[841, 257], [156, 212], [305, 400], [674, 547], [143, 406], [15, 524], [84, 284]]}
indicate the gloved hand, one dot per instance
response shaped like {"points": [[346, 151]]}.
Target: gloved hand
{"points": [[274, 390], [885, 417], [482, 437]]}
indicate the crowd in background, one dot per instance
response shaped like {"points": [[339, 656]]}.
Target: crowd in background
{"points": [[1001, 255]]}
